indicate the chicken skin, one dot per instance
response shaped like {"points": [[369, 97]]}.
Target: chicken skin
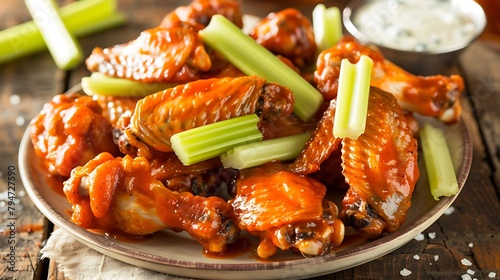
{"points": [[159, 116], [119, 195], [285, 211], [380, 167], [287, 33], [69, 131], [436, 96]]}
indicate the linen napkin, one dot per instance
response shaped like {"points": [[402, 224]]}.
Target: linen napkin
{"points": [[80, 262]]}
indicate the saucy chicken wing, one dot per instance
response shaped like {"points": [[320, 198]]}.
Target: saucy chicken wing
{"points": [[436, 96], [289, 34], [199, 12], [119, 195], [286, 211], [159, 116], [69, 131], [380, 167]]}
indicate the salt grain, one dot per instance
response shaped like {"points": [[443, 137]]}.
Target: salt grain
{"points": [[492, 275], [14, 99], [471, 245], [405, 272], [466, 277], [432, 235], [417, 257], [449, 210], [466, 262], [419, 237], [471, 272], [436, 258], [20, 121]]}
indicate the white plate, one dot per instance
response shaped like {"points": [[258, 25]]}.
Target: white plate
{"points": [[180, 255]]}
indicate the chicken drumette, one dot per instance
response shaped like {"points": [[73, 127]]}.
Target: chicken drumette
{"points": [[119, 195]]}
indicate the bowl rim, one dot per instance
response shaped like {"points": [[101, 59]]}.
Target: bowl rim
{"points": [[478, 17]]}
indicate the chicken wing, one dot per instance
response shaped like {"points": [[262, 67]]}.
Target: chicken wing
{"points": [[199, 12], [436, 96], [380, 167], [157, 117], [69, 131], [285, 211], [119, 195], [287, 33]]}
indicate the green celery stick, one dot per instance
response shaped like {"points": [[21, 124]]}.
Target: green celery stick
{"points": [[62, 45], [100, 84], [253, 59], [352, 98], [211, 140], [438, 163], [327, 26], [80, 17], [254, 154]]}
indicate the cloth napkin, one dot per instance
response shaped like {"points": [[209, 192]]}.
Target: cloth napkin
{"points": [[80, 262]]}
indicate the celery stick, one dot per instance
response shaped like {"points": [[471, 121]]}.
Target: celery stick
{"points": [[254, 154], [327, 26], [352, 98], [438, 163], [81, 18], [100, 84], [63, 47], [214, 139], [253, 59]]}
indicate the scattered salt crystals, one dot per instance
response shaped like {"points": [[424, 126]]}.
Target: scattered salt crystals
{"points": [[466, 262], [21, 193], [405, 272], [419, 237], [14, 99], [20, 121], [471, 245], [417, 257], [432, 235], [471, 272], [449, 210], [492, 275], [436, 258]]}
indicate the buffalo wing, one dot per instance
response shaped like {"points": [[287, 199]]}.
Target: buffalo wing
{"points": [[119, 195], [159, 116], [436, 96], [285, 211]]}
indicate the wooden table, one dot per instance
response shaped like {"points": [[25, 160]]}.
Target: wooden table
{"points": [[470, 232]]}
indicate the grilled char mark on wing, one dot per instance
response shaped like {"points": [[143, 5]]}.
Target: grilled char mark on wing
{"points": [[119, 195], [286, 211], [436, 96], [380, 168], [159, 116], [287, 33]]}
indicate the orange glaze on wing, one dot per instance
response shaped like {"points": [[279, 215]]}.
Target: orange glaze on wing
{"points": [[69, 131], [119, 194], [436, 96], [159, 116]]}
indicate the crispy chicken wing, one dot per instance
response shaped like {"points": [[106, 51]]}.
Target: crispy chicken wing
{"points": [[289, 34], [69, 131], [199, 12], [160, 54], [286, 211], [436, 96], [114, 107], [119, 195], [380, 167], [159, 116]]}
